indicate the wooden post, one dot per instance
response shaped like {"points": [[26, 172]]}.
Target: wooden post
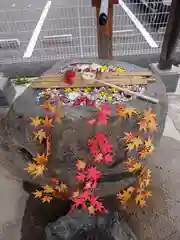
{"points": [[104, 33], [171, 37]]}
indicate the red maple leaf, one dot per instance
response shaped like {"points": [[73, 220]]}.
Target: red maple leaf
{"points": [[80, 177], [101, 138], [108, 158], [100, 207], [98, 157], [92, 144], [102, 118], [90, 103], [106, 148], [105, 109], [79, 202], [97, 204], [92, 121], [85, 195], [93, 174]]}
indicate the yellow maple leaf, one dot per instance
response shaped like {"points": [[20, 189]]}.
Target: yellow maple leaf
{"points": [[31, 168], [132, 165], [130, 111], [134, 144], [152, 125], [61, 187], [145, 178], [75, 194], [149, 145], [37, 194], [40, 169], [48, 189], [140, 200], [46, 199], [40, 158], [124, 195], [47, 122], [40, 135], [91, 210], [149, 115], [36, 122], [80, 164], [141, 197]]}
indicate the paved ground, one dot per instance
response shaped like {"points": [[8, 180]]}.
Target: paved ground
{"points": [[21, 20]]}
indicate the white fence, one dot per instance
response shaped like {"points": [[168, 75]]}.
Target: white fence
{"points": [[53, 31]]}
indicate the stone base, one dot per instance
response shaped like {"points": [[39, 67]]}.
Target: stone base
{"points": [[7, 91], [169, 77]]}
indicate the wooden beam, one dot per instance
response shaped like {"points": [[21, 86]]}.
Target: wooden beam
{"points": [[104, 33], [171, 37]]}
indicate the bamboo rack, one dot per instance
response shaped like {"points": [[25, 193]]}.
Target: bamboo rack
{"points": [[119, 79]]}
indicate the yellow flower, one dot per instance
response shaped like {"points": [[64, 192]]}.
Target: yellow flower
{"points": [[88, 89], [120, 69], [103, 68], [109, 98], [102, 94], [68, 90], [113, 90], [77, 89]]}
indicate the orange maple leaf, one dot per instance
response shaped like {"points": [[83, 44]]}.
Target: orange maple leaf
{"points": [[143, 153], [37, 194], [129, 137], [36, 122], [124, 195], [121, 112], [80, 164], [48, 146], [48, 106], [40, 158], [40, 135], [132, 165], [143, 126], [47, 122], [46, 199]]}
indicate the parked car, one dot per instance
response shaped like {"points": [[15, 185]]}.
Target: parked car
{"points": [[158, 12]]}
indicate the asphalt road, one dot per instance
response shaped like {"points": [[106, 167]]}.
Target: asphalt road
{"points": [[19, 18]]}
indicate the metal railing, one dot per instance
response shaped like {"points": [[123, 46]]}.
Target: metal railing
{"points": [[70, 31]]}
